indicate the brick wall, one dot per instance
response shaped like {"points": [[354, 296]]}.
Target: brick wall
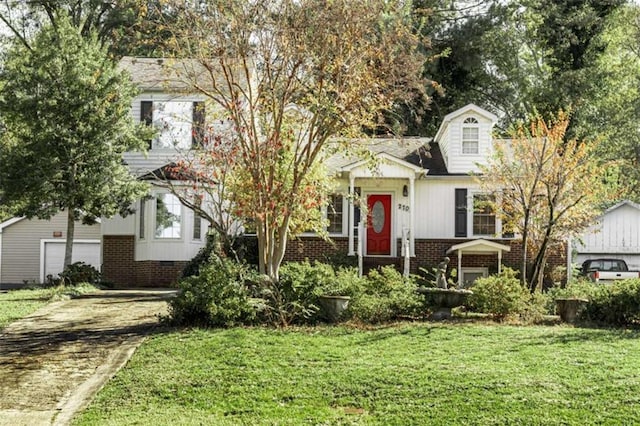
{"points": [[119, 267], [153, 273], [117, 259]]}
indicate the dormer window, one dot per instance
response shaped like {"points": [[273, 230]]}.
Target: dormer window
{"points": [[470, 136]]}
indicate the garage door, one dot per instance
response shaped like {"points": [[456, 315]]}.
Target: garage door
{"points": [[83, 251]]}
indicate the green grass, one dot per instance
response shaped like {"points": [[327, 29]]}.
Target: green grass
{"points": [[408, 374], [16, 304]]}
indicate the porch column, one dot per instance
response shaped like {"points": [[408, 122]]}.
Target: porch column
{"points": [[412, 216], [459, 268], [499, 261], [351, 213]]}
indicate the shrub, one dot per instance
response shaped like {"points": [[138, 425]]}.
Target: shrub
{"points": [[578, 288], [616, 304], [218, 296], [294, 300], [385, 295], [499, 295], [80, 272]]}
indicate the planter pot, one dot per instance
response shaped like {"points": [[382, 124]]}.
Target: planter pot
{"points": [[334, 307], [443, 300], [569, 307]]}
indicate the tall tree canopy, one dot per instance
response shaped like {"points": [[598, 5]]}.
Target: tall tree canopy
{"points": [[65, 110], [127, 27], [513, 57], [289, 76]]}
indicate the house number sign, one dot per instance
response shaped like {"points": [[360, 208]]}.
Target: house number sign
{"points": [[403, 207]]}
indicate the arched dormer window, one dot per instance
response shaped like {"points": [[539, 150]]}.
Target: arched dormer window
{"points": [[470, 135]]}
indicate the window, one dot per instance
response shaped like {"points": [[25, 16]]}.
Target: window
{"points": [[470, 275], [173, 120], [146, 116], [198, 125], [197, 227], [470, 136], [335, 213], [197, 219], [141, 215], [168, 216], [484, 217]]}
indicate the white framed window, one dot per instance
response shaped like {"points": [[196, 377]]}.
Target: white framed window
{"points": [[470, 136], [470, 275], [335, 214], [168, 223], [484, 216]]}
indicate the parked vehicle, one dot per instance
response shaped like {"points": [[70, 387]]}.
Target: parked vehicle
{"points": [[607, 270]]}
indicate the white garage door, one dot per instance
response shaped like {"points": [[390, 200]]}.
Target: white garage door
{"points": [[83, 251]]}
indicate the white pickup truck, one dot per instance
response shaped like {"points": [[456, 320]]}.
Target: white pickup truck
{"points": [[607, 270]]}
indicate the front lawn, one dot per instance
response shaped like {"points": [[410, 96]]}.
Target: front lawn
{"points": [[16, 304], [405, 374]]}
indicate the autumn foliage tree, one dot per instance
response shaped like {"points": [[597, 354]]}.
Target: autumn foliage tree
{"points": [[289, 81], [547, 189]]}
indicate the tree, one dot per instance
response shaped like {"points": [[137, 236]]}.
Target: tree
{"points": [[547, 189], [294, 79], [513, 57], [65, 113], [127, 27]]}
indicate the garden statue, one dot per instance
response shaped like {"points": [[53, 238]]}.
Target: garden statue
{"points": [[441, 273]]}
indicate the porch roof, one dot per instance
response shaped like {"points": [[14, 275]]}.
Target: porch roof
{"points": [[479, 246]]}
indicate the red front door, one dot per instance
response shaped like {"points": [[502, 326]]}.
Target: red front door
{"points": [[379, 224]]}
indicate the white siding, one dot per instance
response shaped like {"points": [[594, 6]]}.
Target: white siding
{"points": [[457, 162], [20, 255], [618, 232], [435, 205]]}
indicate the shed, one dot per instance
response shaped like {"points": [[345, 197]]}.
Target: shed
{"points": [[616, 234]]}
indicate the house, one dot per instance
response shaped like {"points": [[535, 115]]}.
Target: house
{"points": [[421, 200], [421, 197], [616, 234], [32, 249]]}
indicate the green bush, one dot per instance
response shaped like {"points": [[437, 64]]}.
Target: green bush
{"points": [[616, 304], [385, 295], [499, 295], [80, 272], [217, 297], [294, 300]]}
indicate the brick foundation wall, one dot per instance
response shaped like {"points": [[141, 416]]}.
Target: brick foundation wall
{"points": [[429, 252], [119, 267], [154, 273]]}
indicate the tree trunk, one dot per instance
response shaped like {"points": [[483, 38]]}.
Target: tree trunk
{"points": [[68, 248]]}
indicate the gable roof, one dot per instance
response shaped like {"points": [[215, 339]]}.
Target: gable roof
{"points": [[461, 111], [622, 203], [10, 222], [418, 152]]}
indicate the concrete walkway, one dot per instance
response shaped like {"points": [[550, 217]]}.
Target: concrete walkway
{"points": [[53, 362]]}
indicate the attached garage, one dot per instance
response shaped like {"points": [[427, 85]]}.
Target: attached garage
{"points": [[30, 249], [52, 255]]}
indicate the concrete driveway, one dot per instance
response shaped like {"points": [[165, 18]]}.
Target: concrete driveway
{"points": [[54, 361]]}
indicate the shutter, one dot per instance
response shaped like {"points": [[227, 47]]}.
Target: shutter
{"points": [[197, 125], [146, 116], [461, 213]]}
